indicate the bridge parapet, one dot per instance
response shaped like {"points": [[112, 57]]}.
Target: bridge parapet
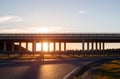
{"points": [[68, 36]]}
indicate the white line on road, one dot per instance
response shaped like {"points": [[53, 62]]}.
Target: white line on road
{"points": [[71, 74]]}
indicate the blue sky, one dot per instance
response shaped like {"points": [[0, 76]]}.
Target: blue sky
{"points": [[60, 16]]}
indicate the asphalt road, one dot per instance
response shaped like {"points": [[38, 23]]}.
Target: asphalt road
{"points": [[35, 69]]}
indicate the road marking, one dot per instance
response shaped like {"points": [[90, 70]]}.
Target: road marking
{"points": [[72, 73]]}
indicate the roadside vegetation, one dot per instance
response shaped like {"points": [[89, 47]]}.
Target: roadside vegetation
{"points": [[110, 70], [46, 56]]}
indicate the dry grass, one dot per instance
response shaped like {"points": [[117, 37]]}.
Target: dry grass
{"points": [[45, 56], [110, 70], [18, 57]]}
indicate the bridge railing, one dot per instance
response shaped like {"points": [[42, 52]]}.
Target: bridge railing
{"points": [[60, 35]]}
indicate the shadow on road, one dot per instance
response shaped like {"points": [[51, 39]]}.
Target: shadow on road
{"points": [[39, 69]]}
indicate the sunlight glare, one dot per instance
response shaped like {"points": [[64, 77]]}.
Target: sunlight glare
{"points": [[45, 46], [43, 30], [38, 46]]}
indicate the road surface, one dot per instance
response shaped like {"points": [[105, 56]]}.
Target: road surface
{"points": [[35, 69]]}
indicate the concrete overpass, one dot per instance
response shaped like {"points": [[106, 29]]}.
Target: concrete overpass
{"points": [[97, 38]]}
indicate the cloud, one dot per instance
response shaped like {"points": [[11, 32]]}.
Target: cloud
{"points": [[4, 19], [12, 30], [83, 12], [37, 29]]}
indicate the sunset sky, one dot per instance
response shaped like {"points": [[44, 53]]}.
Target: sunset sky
{"points": [[61, 16]]}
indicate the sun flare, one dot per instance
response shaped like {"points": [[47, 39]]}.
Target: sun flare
{"points": [[43, 30], [45, 46]]}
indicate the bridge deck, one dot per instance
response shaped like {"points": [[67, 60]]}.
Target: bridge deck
{"points": [[67, 37]]}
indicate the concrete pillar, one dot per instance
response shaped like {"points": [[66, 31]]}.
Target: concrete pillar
{"points": [[26, 46], [41, 46], [103, 46], [83, 48], [92, 46], [48, 47], [19, 46], [59, 46], [64, 46], [34, 47], [5, 46], [12, 46], [54, 45], [99, 45], [96, 46], [87, 46]]}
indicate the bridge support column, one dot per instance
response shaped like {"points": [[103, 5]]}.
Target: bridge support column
{"points": [[83, 47], [19, 46], [54, 46], [96, 46], [34, 47], [13, 46], [5, 46], [92, 46], [48, 46], [41, 46], [26, 46], [64, 46], [87, 46], [99, 45], [103, 46], [59, 46]]}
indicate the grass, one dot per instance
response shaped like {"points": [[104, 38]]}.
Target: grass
{"points": [[18, 57], [25, 57], [46, 56], [110, 70]]}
